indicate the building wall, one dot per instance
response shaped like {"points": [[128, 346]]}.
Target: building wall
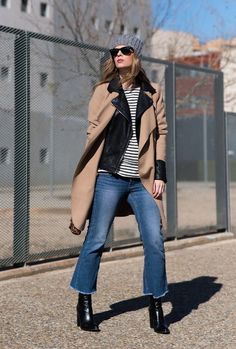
{"points": [[102, 19], [228, 66], [30, 19], [169, 44]]}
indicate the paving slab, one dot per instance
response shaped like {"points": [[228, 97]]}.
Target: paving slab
{"points": [[38, 310]]}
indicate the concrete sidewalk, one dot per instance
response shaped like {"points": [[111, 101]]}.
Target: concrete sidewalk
{"points": [[38, 311]]}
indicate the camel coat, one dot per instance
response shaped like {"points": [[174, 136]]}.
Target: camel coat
{"points": [[152, 146]]}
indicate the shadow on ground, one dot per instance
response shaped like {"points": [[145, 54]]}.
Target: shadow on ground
{"points": [[184, 297]]}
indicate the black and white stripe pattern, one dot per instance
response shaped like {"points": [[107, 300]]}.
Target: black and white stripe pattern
{"points": [[129, 164]]}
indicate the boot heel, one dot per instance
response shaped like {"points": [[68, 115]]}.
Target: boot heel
{"points": [[151, 323], [151, 320]]}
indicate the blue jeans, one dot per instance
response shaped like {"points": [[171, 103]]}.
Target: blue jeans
{"points": [[109, 191]]}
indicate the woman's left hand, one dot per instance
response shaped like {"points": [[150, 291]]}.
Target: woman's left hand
{"points": [[158, 188]]}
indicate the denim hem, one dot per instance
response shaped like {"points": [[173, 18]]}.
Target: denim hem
{"points": [[75, 289], [150, 294]]}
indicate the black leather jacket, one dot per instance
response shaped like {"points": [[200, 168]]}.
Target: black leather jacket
{"points": [[119, 129]]}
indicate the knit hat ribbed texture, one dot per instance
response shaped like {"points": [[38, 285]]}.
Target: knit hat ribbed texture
{"points": [[128, 40]]}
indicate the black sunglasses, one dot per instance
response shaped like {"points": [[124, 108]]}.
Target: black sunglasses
{"points": [[126, 50]]}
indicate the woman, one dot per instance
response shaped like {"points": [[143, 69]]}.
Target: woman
{"points": [[122, 171]]}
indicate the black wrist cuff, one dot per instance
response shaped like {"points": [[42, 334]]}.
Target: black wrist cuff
{"points": [[160, 172]]}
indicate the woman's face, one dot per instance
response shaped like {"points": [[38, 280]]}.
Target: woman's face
{"points": [[122, 61]]}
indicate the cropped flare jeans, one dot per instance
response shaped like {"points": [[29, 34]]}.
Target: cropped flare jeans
{"points": [[110, 189]]}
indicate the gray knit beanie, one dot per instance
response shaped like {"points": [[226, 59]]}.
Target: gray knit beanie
{"points": [[129, 40]]}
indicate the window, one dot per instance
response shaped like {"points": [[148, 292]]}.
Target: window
{"points": [[43, 79], [4, 3], [192, 73], [4, 156], [193, 102], [95, 22], [136, 31], [193, 105], [108, 26], [24, 5], [4, 73], [43, 9], [122, 29], [44, 156]]}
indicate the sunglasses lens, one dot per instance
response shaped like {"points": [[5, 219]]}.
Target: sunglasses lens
{"points": [[114, 52], [127, 50]]}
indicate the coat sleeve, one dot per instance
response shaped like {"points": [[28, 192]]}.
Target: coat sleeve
{"points": [[161, 134]]}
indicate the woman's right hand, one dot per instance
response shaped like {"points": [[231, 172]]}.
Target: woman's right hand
{"points": [[73, 229]]}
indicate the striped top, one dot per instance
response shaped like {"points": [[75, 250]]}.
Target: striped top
{"points": [[129, 164]]}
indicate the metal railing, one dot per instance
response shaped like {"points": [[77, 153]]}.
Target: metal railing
{"points": [[46, 84]]}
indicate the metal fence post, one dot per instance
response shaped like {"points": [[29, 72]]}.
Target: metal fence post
{"points": [[171, 151], [229, 227], [21, 169], [221, 162]]}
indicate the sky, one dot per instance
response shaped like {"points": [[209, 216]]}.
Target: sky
{"points": [[207, 19]]}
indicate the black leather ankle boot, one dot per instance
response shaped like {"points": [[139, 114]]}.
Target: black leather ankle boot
{"points": [[85, 313], [157, 321]]}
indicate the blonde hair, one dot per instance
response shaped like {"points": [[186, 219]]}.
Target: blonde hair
{"points": [[136, 73]]}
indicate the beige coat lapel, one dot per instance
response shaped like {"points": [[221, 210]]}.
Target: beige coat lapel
{"points": [[102, 118]]}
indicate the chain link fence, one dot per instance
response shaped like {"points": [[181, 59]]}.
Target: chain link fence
{"points": [[46, 83], [231, 151]]}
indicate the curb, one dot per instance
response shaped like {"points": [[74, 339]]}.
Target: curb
{"points": [[114, 255]]}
